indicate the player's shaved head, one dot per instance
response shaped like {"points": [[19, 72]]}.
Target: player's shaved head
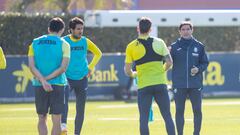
{"points": [[145, 24]]}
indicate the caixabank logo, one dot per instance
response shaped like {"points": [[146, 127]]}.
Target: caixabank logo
{"points": [[107, 77], [24, 77]]}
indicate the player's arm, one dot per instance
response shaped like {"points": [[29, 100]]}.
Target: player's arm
{"points": [[128, 70], [35, 71], [128, 64], [203, 62], [167, 56], [32, 67], [171, 51], [168, 62], [64, 64], [97, 54], [3, 63]]}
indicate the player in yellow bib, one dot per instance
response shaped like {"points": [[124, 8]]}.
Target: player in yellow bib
{"points": [[152, 60], [78, 71], [48, 60], [3, 63]]}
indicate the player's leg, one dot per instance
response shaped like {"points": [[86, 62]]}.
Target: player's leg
{"points": [[80, 89], [56, 108], [195, 96], [56, 128], [144, 103], [162, 99], [41, 103], [42, 124], [180, 96], [65, 111]]}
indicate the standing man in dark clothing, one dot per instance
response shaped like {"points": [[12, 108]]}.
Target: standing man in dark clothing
{"points": [[189, 62], [148, 53]]}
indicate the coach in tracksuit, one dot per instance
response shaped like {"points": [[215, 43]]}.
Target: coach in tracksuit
{"points": [[189, 62]]}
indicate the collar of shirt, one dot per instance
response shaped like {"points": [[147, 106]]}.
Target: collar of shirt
{"points": [[143, 37], [74, 39], [185, 43], [53, 34]]}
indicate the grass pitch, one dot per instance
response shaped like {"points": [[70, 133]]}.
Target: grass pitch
{"points": [[220, 117]]}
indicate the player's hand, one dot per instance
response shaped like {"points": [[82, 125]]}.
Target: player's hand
{"points": [[169, 48], [194, 71], [134, 74], [46, 86], [89, 73]]}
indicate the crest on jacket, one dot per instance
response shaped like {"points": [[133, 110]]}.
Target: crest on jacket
{"points": [[195, 49]]}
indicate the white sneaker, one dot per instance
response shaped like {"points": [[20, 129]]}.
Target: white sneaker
{"points": [[63, 129]]}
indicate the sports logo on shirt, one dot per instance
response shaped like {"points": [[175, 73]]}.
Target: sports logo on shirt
{"points": [[52, 42], [179, 49], [195, 49], [76, 48], [195, 54]]}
